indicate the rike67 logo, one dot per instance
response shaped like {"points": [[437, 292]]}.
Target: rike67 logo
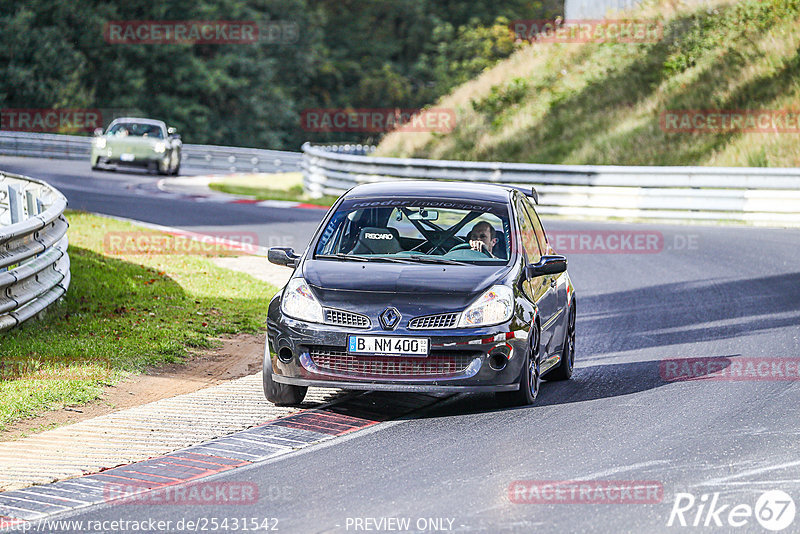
{"points": [[774, 510]]}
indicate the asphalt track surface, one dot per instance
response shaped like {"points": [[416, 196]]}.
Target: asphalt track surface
{"points": [[134, 194], [728, 293]]}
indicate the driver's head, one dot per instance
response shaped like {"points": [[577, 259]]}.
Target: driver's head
{"points": [[483, 231]]}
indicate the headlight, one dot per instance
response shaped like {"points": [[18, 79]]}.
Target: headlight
{"points": [[495, 306], [100, 142], [159, 147], [299, 302]]}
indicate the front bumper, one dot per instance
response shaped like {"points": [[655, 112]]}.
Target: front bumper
{"points": [[421, 387], [460, 360], [103, 157]]}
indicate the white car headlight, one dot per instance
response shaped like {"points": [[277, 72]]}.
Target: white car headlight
{"points": [[159, 147], [495, 306], [100, 142], [299, 302]]}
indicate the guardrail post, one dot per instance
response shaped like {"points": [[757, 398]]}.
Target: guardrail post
{"points": [[13, 204], [31, 202]]}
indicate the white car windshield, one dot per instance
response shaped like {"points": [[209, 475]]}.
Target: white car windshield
{"points": [[135, 129]]}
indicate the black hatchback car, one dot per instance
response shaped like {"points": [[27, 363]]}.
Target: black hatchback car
{"points": [[427, 287]]}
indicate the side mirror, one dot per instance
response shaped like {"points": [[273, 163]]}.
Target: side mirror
{"points": [[547, 265], [283, 256], [98, 132]]}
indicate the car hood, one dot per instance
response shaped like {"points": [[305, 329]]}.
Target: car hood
{"points": [[132, 141], [340, 281]]}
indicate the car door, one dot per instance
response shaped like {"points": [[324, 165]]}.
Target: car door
{"points": [[557, 282], [538, 289]]}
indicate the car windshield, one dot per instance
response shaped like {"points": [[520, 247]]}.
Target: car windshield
{"points": [[417, 230], [136, 129]]}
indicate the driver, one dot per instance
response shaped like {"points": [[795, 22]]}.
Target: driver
{"points": [[483, 236]]}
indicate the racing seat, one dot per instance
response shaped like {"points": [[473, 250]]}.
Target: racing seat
{"points": [[373, 240]]}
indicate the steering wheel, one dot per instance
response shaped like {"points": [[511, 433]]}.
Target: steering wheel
{"points": [[465, 246]]}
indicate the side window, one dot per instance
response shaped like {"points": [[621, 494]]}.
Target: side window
{"points": [[537, 225], [528, 234]]}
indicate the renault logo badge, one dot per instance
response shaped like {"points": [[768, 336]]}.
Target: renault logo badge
{"points": [[389, 318]]}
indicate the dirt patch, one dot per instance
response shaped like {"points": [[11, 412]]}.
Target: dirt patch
{"points": [[239, 356]]}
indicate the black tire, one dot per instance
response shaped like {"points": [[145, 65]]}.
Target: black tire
{"points": [[163, 171], [530, 379], [277, 393], [564, 369]]}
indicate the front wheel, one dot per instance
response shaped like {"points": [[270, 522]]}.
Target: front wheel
{"points": [[277, 393], [529, 380], [162, 168]]}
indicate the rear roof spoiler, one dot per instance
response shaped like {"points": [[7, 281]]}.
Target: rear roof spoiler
{"points": [[527, 191]]}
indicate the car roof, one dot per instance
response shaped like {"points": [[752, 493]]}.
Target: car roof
{"points": [[430, 188], [139, 120]]}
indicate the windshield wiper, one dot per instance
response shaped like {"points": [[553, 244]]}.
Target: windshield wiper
{"points": [[419, 258], [340, 256], [431, 259], [350, 257]]}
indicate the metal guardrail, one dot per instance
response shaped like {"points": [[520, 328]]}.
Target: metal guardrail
{"points": [[34, 265], [595, 9], [197, 158], [751, 195]]}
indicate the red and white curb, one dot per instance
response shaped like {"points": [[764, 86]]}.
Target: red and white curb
{"points": [[124, 484], [196, 189]]}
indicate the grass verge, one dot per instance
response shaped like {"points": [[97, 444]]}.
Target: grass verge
{"points": [[602, 103], [122, 314], [282, 186]]}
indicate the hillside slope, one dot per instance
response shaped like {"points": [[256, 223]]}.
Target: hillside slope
{"points": [[602, 103]]}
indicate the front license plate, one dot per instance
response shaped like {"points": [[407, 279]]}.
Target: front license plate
{"points": [[126, 157], [390, 346]]}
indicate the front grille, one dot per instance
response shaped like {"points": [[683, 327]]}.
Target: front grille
{"points": [[345, 318], [438, 364], [430, 322]]}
